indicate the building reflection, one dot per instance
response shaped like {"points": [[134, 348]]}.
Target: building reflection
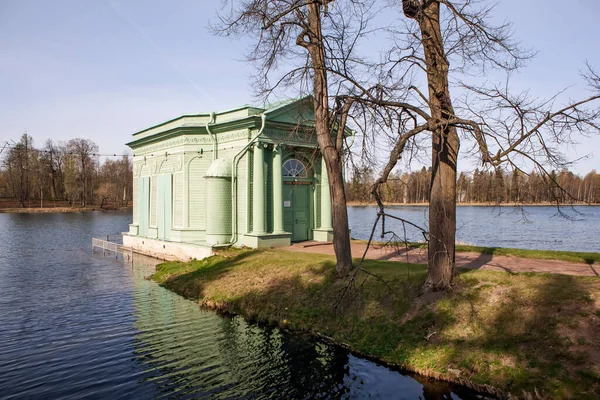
{"points": [[187, 352], [195, 353]]}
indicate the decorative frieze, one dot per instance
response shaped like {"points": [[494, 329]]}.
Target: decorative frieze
{"points": [[169, 144], [232, 136], [191, 140]]}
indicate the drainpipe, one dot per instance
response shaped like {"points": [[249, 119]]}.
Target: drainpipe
{"points": [[234, 163], [212, 135]]}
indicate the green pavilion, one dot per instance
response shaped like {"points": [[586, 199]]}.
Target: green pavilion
{"points": [[249, 177]]}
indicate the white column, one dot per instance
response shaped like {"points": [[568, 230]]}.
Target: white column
{"points": [[277, 191], [258, 191], [325, 198]]}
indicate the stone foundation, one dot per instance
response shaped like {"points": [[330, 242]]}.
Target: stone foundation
{"points": [[264, 241], [323, 235], [166, 250]]}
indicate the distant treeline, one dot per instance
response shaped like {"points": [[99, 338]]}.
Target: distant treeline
{"points": [[482, 187], [68, 172], [72, 173]]}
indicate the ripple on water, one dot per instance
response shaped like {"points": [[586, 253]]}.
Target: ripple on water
{"points": [[80, 325], [531, 227]]}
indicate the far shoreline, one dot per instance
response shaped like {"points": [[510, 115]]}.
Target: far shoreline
{"points": [[62, 209], [369, 204], [47, 210]]}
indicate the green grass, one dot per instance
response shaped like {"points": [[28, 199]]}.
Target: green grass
{"points": [[517, 332], [571, 256]]}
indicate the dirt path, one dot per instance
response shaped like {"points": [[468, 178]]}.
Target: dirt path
{"points": [[464, 260]]}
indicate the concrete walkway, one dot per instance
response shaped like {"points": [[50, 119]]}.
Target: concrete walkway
{"points": [[490, 262]]}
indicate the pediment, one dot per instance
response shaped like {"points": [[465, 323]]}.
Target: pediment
{"points": [[297, 112]]}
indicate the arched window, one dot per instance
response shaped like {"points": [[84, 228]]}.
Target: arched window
{"points": [[294, 168]]}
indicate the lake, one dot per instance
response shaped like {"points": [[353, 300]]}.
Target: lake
{"points": [[76, 324], [531, 227]]}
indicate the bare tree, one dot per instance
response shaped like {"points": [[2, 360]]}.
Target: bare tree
{"points": [[115, 181], [17, 163], [53, 155], [82, 151], [499, 127], [308, 46], [403, 103], [63, 171]]}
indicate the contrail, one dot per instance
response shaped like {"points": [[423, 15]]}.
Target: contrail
{"points": [[157, 50]]}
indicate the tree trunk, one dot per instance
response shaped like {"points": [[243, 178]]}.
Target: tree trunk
{"points": [[331, 155], [339, 210], [444, 152]]}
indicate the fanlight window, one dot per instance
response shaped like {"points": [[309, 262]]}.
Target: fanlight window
{"points": [[294, 168]]}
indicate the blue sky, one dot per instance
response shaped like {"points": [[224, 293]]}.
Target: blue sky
{"points": [[106, 69]]}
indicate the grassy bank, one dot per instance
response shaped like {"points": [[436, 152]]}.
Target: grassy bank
{"points": [[518, 333]]}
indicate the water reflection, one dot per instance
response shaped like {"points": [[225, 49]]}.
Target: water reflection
{"points": [[79, 325], [196, 353], [192, 353]]}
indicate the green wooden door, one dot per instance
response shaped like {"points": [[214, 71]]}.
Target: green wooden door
{"points": [[296, 211], [144, 205], [164, 204]]}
